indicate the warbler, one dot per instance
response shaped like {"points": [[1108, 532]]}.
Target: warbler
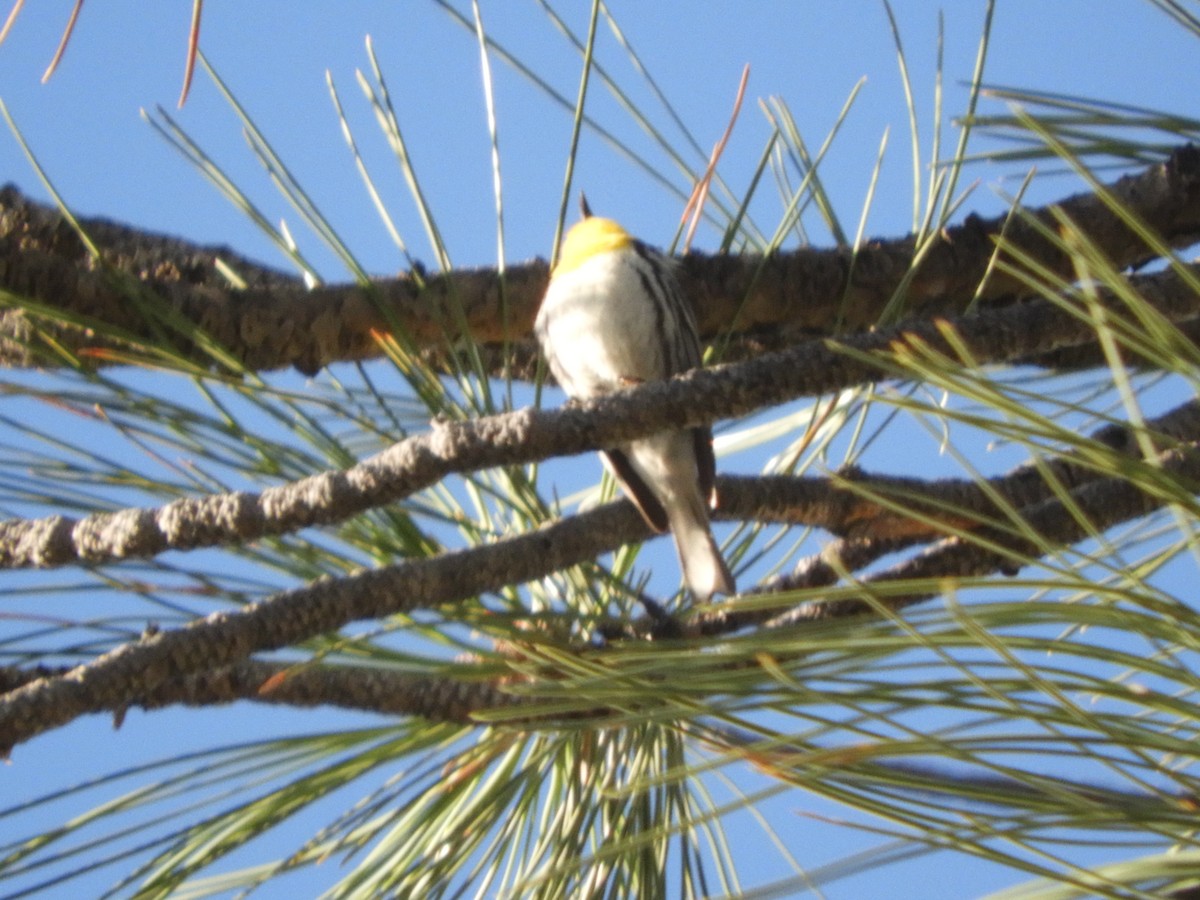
{"points": [[614, 316]]}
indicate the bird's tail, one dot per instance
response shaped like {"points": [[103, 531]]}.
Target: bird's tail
{"points": [[704, 569]]}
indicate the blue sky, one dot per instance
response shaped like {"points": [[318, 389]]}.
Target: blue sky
{"points": [[86, 130], [85, 126]]}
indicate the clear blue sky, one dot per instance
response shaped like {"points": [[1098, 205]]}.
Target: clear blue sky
{"points": [[85, 128]]}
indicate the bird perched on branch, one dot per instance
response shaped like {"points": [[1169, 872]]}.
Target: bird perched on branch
{"points": [[614, 316]]}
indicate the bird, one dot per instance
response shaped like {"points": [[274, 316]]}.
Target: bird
{"points": [[614, 316]]}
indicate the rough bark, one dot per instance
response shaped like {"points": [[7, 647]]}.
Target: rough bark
{"points": [[275, 322]]}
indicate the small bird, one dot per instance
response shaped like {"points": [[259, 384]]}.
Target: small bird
{"points": [[614, 316]]}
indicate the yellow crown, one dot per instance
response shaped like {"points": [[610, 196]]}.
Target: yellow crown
{"points": [[588, 238]]}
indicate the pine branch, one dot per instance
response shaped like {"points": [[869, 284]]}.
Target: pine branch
{"points": [[529, 435], [961, 516], [363, 688], [1094, 507], [137, 670], [275, 322], [864, 506]]}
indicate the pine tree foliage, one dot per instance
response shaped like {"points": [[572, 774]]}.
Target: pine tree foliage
{"points": [[991, 657]]}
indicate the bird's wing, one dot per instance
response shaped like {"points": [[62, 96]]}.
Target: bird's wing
{"points": [[637, 489], [706, 465]]}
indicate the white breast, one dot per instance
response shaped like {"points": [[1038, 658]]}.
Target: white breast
{"points": [[598, 327]]}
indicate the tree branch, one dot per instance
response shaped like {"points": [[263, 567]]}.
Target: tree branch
{"points": [[275, 322], [920, 511], [363, 688], [528, 435], [862, 506], [137, 670], [1094, 507]]}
